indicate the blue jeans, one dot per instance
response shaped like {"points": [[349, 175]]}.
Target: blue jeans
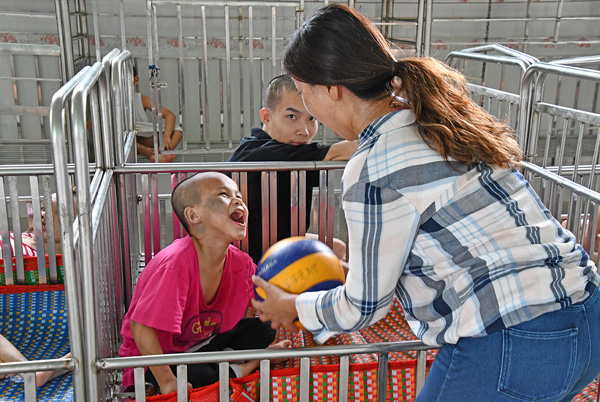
{"points": [[550, 358]]}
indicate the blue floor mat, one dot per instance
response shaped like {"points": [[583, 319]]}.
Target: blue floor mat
{"points": [[36, 323]]}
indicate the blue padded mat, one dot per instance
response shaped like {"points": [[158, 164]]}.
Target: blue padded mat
{"points": [[36, 323]]}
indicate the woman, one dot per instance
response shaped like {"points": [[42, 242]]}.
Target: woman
{"points": [[439, 217]]}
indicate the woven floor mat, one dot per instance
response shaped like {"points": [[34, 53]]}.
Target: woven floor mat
{"points": [[36, 323]]}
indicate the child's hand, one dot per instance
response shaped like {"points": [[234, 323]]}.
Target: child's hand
{"points": [[171, 386], [167, 143]]}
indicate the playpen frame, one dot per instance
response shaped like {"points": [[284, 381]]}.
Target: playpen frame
{"points": [[101, 245]]}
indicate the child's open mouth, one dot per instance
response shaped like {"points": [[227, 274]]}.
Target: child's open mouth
{"points": [[238, 216]]}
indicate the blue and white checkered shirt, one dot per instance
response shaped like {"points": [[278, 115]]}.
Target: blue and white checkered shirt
{"points": [[466, 250]]}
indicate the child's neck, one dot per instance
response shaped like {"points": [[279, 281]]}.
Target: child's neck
{"points": [[211, 254]]}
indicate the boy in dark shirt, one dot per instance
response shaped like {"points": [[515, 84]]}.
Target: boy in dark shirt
{"points": [[287, 131]]}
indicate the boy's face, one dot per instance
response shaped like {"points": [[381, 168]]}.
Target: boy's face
{"points": [[221, 208], [289, 123]]}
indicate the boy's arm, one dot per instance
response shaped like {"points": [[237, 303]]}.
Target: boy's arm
{"points": [[169, 120], [147, 343], [341, 151]]}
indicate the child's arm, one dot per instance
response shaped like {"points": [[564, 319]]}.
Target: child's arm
{"points": [[148, 344], [169, 121]]}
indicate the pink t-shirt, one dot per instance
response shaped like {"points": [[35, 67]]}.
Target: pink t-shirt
{"points": [[168, 297]]}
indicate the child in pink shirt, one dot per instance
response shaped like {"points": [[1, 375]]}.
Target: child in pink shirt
{"points": [[192, 296]]}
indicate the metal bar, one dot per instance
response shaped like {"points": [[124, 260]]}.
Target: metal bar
{"points": [[16, 222], [304, 379], [273, 218], [251, 62], [29, 49], [265, 210], [147, 218], [140, 389], [96, 30], [343, 378], [421, 370], [228, 126], [224, 382], [67, 44], [273, 41], [122, 24], [50, 231], [382, 377], [265, 380], [155, 213], [205, 112], [5, 237], [39, 236], [181, 80], [182, 381], [294, 203]]}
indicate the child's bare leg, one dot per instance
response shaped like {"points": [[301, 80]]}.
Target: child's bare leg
{"points": [[42, 377], [252, 365], [176, 138], [9, 354]]}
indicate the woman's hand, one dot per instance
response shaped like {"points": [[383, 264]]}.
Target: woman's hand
{"points": [[279, 307]]}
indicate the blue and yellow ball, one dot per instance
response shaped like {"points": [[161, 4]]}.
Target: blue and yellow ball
{"points": [[299, 265]]}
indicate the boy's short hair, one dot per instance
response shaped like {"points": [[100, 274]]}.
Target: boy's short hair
{"points": [[277, 86], [183, 197]]}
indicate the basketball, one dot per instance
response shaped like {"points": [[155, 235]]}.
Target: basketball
{"points": [[298, 265]]}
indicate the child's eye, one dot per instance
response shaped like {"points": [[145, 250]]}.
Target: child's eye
{"points": [[312, 118], [291, 116]]}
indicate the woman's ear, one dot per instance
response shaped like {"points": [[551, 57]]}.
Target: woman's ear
{"points": [[334, 92]]}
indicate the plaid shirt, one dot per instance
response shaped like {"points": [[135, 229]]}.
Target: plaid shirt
{"points": [[468, 250]]}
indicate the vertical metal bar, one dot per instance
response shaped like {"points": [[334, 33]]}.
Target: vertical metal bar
{"points": [[224, 381], [228, 117], [322, 199], [265, 380], [382, 377], [264, 196], [304, 378], [122, 23], [15, 90], [139, 381], [273, 41], [181, 82], [421, 26], [147, 218], [302, 184], [6, 253], [428, 27], [421, 369], [50, 230], [273, 206], [205, 111], [155, 213], [176, 223], [163, 223], [244, 191], [294, 202], [559, 8], [36, 63], [182, 380], [96, 30], [14, 209], [67, 44], [241, 63], [251, 62], [30, 388], [157, 117], [330, 204], [343, 379], [39, 236]]}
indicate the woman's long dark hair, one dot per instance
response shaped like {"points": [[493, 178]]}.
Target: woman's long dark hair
{"points": [[339, 46]]}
